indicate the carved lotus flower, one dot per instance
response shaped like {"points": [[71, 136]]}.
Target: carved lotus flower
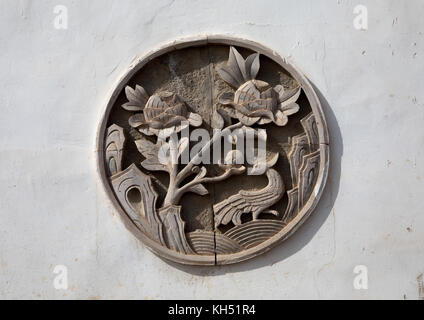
{"points": [[255, 101], [162, 111]]}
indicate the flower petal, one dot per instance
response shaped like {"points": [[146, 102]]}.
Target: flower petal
{"points": [[167, 95], [136, 120], [231, 112], [155, 102], [239, 60], [261, 113], [132, 106], [246, 92], [177, 128], [261, 85], [137, 96], [226, 98], [242, 109], [227, 75], [253, 65], [165, 133], [147, 131], [236, 64], [264, 121], [290, 97], [246, 120], [290, 109], [280, 90], [281, 119], [155, 124], [174, 121]]}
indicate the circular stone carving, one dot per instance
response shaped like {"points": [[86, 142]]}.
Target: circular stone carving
{"points": [[229, 210]]}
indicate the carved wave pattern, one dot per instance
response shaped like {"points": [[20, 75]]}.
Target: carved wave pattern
{"points": [[208, 243], [254, 232]]}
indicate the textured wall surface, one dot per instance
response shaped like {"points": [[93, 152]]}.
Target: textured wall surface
{"points": [[54, 211]]}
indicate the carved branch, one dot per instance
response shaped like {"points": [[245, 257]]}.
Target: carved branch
{"points": [[187, 170], [228, 173], [199, 180], [175, 193]]}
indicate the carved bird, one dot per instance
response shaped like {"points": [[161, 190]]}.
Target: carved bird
{"points": [[256, 201]]}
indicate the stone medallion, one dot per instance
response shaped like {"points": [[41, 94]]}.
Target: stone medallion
{"points": [[213, 150]]}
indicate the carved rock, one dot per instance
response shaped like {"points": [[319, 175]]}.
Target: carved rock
{"points": [[137, 196], [115, 140]]}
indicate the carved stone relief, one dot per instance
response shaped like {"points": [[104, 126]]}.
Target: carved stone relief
{"points": [[167, 186]]}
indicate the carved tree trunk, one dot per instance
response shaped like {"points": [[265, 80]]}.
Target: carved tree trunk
{"points": [[173, 229]]}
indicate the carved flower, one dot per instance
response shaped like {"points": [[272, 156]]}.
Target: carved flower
{"points": [[162, 111], [255, 101]]}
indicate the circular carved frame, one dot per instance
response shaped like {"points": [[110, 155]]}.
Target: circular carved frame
{"points": [[322, 148]]}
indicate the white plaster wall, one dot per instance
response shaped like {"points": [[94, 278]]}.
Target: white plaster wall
{"points": [[53, 210]]}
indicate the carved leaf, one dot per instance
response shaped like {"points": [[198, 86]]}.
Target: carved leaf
{"points": [[195, 119], [145, 147], [152, 152], [226, 116], [239, 61], [136, 120], [153, 165], [217, 120], [137, 98], [198, 189], [236, 65], [253, 65], [226, 75], [238, 70], [289, 97]]}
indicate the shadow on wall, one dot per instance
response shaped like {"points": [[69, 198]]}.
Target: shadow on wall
{"points": [[309, 228]]}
